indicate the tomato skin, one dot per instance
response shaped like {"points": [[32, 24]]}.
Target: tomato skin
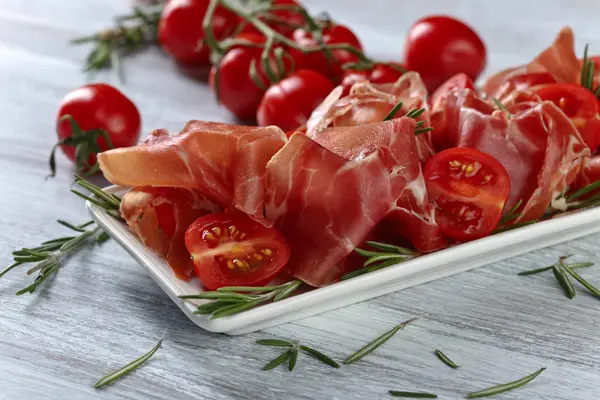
{"points": [[380, 73], [317, 61], [99, 106], [438, 47], [580, 105], [469, 189], [289, 103], [237, 91], [234, 250], [292, 18], [180, 30]]}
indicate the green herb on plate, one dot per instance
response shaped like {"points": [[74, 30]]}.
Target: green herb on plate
{"points": [[444, 358], [291, 354], [494, 390]]}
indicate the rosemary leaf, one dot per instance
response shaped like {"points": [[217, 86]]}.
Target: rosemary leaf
{"points": [[236, 308], [291, 288], [572, 266], [209, 308], [319, 356], [517, 225], [73, 227], [248, 289], [391, 248], [563, 281], [9, 268], [369, 348], [293, 358], [127, 368], [275, 343], [583, 191], [383, 257], [423, 130], [415, 113], [277, 361], [444, 358], [371, 268], [393, 112], [575, 275], [512, 214], [217, 295], [505, 387], [413, 395]]}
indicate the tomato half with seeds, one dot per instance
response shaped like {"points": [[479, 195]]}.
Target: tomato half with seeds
{"points": [[469, 189], [234, 250], [580, 105]]}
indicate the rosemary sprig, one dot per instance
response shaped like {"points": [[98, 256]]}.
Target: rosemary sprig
{"points": [[512, 214], [113, 376], [110, 202], [386, 255], [413, 395], [292, 354], [130, 34], [505, 387], [444, 358], [375, 344], [229, 302]]}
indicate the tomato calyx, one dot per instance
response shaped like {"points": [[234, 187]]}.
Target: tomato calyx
{"points": [[85, 143]]}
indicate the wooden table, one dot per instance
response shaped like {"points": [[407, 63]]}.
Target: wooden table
{"points": [[102, 310]]}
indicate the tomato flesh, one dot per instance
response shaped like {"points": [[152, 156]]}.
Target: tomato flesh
{"points": [[580, 105], [439, 47], [234, 250], [469, 189], [289, 103]]}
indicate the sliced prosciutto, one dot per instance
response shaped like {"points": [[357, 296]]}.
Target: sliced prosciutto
{"points": [[588, 175], [369, 103], [159, 216], [326, 195], [226, 163], [537, 144]]}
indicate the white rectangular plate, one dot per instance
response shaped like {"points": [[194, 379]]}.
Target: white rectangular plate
{"points": [[410, 273]]}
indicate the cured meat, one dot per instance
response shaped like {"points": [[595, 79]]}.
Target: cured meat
{"points": [[369, 103], [558, 60], [226, 163], [159, 216], [326, 195], [537, 144], [588, 175]]}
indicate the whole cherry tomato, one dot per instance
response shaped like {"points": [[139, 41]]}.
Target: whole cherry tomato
{"points": [[89, 109], [317, 61], [439, 47], [282, 21], [469, 189], [580, 105], [234, 250], [238, 91], [180, 31], [380, 73], [289, 103]]}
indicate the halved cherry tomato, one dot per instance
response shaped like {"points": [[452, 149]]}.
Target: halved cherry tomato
{"points": [[180, 31], [238, 92], [469, 189], [234, 250], [580, 105], [317, 61], [289, 103], [457, 82], [380, 73], [284, 21], [439, 47]]}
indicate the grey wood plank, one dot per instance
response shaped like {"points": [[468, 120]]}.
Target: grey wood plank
{"points": [[102, 310]]}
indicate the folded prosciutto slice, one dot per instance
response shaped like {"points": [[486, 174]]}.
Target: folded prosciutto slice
{"points": [[588, 175], [326, 195], [538, 145], [226, 163], [159, 216]]}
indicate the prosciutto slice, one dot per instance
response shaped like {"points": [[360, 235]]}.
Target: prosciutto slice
{"points": [[226, 163], [588, 175], [159, 216], [326, 195], [537, 144]]}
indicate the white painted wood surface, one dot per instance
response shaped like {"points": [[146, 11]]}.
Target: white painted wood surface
{"points": [[102, 310]]}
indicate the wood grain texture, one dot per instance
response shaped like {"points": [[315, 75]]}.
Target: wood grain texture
{"points": [[102, 310]]}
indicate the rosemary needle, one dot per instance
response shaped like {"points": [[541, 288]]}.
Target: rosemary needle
{"points": [[538, 270], [413, 395], [369, 348], [563, 280], [505, 387], [127, 368], [444, 358]]}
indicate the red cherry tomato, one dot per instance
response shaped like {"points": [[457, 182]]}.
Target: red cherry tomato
{"points": [[238, 92], [234, 250], [317, 61], [469, 189], [457, 82], [180, 30], [99, 106], [282, 21], [380, 73], [439, 47], [580, 105], [289, 103]]}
